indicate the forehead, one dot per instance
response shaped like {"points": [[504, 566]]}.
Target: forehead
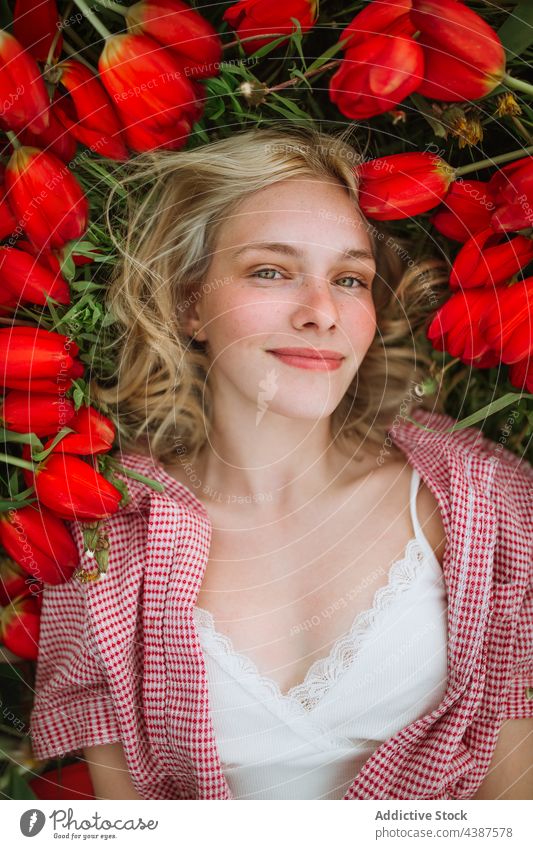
{"points": [[303, 209]]}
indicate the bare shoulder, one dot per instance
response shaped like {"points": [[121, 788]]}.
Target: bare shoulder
{"points": [[430, 518], [395, 478]]}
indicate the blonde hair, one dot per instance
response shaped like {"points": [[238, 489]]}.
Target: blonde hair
{"points": [[160, 390]]}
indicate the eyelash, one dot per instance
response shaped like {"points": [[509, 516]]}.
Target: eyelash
{"points": [[353, 276]]}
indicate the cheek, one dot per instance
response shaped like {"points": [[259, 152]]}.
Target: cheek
{"points": [[360, 324], [232, 319]]}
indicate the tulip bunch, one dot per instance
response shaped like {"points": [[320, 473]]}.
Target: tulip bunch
{"points": [[440, 49], [487, 320]]}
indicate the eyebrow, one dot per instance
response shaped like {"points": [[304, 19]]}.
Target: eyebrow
{"points": [[290, 250]]}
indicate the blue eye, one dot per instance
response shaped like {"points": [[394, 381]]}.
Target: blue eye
{"points": [[266, 270], [352, 277], [261, 270]]}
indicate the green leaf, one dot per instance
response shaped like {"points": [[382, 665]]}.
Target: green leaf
{"points": [[516, 34], [328, 54], [287, 107], [268, 48], [296, 40], [487, 410], [18, 787], [424, 108]]}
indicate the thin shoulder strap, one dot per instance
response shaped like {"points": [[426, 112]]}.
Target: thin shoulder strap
{"points": [[419, 533], [415, 483]]}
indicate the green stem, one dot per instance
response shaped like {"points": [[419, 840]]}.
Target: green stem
{"points": [[332, 64], [156, 485], [91, 17], [17, 461], [496, 160], [12, 138], [113, 7], [519, 85]]}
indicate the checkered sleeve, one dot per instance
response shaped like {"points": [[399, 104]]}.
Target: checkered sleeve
{"points": [[514, 479], [518, 702], [72, 703]]}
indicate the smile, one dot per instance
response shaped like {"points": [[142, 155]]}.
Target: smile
{"points": [[307, 362]]}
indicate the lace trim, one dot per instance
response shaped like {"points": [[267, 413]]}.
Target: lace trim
{"points": [[325, 671]]}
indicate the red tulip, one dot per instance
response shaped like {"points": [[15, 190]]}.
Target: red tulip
{"points": [[376, 75], [258, 17], [40, 542], [512, 187], [19, 627], [36, 360], [28, 280], [87, 111], [178, 26], [23, 98], [377, 17], [35, 25], [55, 139], [33, 412], [95, 434], [72, 488], [455, 327], [509, 329], [464, 58], [483, 261], [72, 781], [62, 211], [7, 219], [148, 85], [465, 210], [54, 259], [402, 185], [12, 580]]}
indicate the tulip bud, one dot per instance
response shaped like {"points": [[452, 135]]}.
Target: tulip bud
{"points": [[19, 627], [36, 26], [261, 17], [489, 258], [463, 56], [34, 412], [87, 112], [62, 211], [508, 329], [95, 434], [32, 359], [512, 187], [376, 75], [455, 327], [176, 25], [28, 280], [466, 209], [22, 90], [40, 543], [148, 87], [54, 139], [73, 489], [402, 185], [12, 580]]}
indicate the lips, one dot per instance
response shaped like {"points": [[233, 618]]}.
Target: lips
{"points": [[308, 353]]}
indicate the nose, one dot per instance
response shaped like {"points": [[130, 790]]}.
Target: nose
{"points": [[315, 304]]}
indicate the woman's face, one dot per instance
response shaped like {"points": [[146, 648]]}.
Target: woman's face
{"points": [[299, 289]]}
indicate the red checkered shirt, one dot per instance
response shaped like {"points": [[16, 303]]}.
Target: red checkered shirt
{"points": [[120, 660]]}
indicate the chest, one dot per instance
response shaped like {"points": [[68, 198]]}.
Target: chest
{"points": [[285, 592]]}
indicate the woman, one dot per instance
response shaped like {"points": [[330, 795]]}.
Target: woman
{"points": [[327, 601]]}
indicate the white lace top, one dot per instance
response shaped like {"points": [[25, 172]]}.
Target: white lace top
{"points": [[386, 672]]}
